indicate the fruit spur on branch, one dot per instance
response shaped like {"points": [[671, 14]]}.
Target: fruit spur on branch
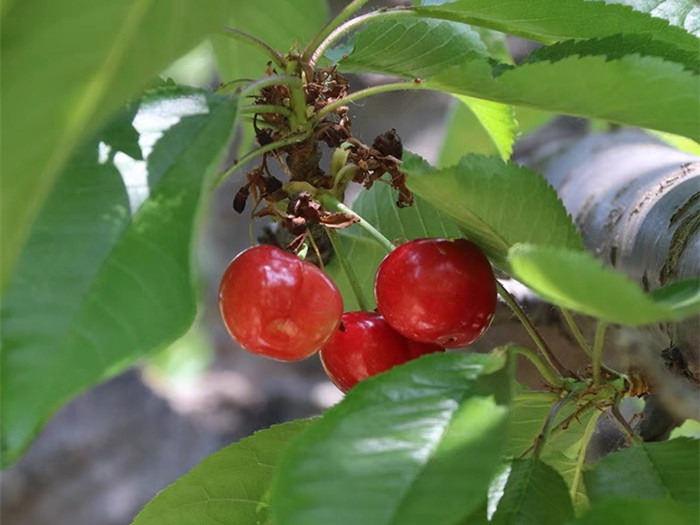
{"points": [[293, 114], [275, 304]]}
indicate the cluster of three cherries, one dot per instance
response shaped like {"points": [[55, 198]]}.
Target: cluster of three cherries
{"points": [[431, 294]]}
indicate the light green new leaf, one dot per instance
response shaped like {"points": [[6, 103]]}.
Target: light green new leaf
{"points": [[378, 206], [535, 494], [417, 444], [640, 512], [464, 133], [230, 487], [497, 119], [689, 428], [554, 20], [648, 471], [496, 204], [578, 281], [65, 67], [105, 274]]}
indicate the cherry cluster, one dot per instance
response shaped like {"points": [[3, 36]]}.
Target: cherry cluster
{"points": [[431, 294]]}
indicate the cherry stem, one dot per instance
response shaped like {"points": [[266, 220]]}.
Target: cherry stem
{"points": [[335, 30], [330, 202], [313, 244], [548, 374], [237, 34], [292, 139], [549, 356], [374, 90], [347, 268], [581, 458], [598, 350]]}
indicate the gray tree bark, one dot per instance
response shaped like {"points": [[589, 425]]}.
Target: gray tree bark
{"points": [[636, 202]]}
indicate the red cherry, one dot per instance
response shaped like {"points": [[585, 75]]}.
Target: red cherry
{"points": [[363, 345], [437, 291], [277, 305]]}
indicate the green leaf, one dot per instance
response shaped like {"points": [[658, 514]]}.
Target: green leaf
{"points": [[529, 411], [66, 67], [578, 281], [552, 20], [616, 47], [648, 471], [279, 23], [570, 470], [378, 206], [105, 275], [632, 79], [568, 431], [496, 204], [627, 87], [413, 445], [412, 47], [681, 296], [681, 13], [230, 487], [534, 494], [640, 512], [497, 119]]}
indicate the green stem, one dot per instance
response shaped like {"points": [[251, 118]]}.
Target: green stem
{"points": [[581, 459], [347, 268], [563, 425], [349, 9], [335, 30], [582, 342], [292, 139], [276, 57], [272, 80], [299, 119], [551, 359], [266, 108], [624, 425], [541, 438], [374, 90], [345, 174], [548, 374], [575, 331], [598, 350], [232, 85], [330, 202]]}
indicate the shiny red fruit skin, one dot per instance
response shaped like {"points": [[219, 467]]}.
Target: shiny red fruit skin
{"points": [[437, 291], [277, 305], [363, 345]]}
